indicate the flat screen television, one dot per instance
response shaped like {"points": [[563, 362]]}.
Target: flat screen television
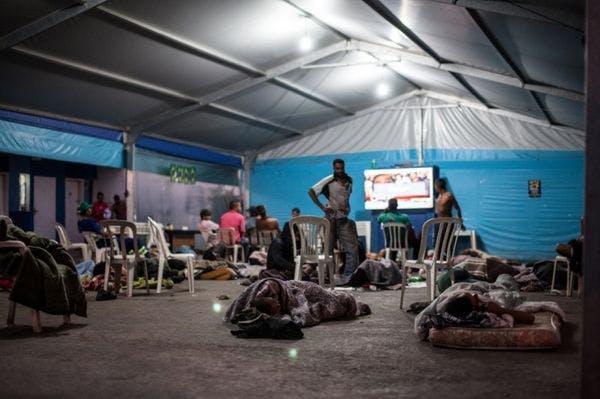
{"points": [[412, 187]]}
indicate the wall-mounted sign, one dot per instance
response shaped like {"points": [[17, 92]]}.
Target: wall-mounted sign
{"points": [[534, 188], [182, 174]]}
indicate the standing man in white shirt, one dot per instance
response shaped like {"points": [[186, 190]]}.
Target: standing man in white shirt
{"points": [[337, 189]]}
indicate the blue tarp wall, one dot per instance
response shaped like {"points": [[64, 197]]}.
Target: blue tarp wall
{"points": [[492, 190], [486, 158]]}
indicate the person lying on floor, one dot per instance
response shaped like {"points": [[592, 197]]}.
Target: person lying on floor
{"points": [[482, 305], [303, 302]]}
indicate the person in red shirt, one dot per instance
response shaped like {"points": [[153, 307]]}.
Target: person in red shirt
{"points": [[100, 209], [233, 218]]}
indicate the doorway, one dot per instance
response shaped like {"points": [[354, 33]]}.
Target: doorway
{"points": [[44, 205], [74, 189]]}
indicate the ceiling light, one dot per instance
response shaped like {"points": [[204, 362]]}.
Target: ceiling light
{"points": [[305, 43], [382, 90]]}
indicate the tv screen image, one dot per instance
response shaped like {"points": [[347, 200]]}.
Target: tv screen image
{"points": [[412, 187]]}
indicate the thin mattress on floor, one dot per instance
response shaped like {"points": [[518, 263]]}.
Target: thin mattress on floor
{"points": [[544, 333]]}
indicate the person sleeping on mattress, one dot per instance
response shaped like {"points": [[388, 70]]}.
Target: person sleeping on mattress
{"points": [[481, 305]]}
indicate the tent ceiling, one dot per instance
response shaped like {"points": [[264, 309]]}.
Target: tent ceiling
{"points": [[230, 74]]}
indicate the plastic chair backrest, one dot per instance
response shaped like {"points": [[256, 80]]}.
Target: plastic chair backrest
{"points": [[395, 235], [157, 235], [90, 239], [226, 235], [314, 236], [62, 235], [117, 231], [445, 231], [265, 237]]}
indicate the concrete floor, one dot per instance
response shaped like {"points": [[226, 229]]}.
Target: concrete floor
{"points": [[174, 345]]}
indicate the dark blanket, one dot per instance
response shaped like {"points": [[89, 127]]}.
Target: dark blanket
{"points": [[381, 273], [305, 303], [45, 276]]}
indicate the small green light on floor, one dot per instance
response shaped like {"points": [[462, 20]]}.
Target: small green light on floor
{"points": [[293, 353], [216, 307]]}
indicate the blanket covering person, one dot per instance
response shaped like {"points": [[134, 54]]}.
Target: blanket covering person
{"points": [[45, 276], [303, 302], [502, 293], [381, 273]]}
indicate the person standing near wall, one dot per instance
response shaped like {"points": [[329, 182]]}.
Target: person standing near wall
{"points": [[100, 209], [119, 209], [337, 189], [445, 201]]}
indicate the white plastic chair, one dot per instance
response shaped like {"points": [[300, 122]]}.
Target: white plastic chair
{"points": [[67, 244], [395, 237], [445, 229], [226, 236], [265, 238], [99, 254], [158, 237], [35, 314], [117, 255], [570, 275], [314, 246]]}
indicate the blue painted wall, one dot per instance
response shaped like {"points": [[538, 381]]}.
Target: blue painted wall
{"points": [[491, 187]]}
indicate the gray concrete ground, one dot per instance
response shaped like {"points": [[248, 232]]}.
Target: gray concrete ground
{"points": [[174, 345]]}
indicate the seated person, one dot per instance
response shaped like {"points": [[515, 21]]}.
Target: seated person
{"points": [[280, 257], [208, 228], [305, 303], [87, 223], [391, 214], [265, 222]]}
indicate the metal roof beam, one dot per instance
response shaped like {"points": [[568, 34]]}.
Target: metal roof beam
{"points": [[182, 43], [25, 32], [467, 70], [251, 119], [478, 21], [213, 55], [108, 75], [311, 96], [396, 73], [318, 21], [540, 11], [389, 16], [476, 18], [242, 85], [461, 80], [541, 107], [148, 87], [60, 117]]}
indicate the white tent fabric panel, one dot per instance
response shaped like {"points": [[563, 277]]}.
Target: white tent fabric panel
{"points": [[266, 32], [467, 128], [446, 126]]}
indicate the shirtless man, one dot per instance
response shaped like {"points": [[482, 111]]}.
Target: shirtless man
{"points": [[445, 201]]}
